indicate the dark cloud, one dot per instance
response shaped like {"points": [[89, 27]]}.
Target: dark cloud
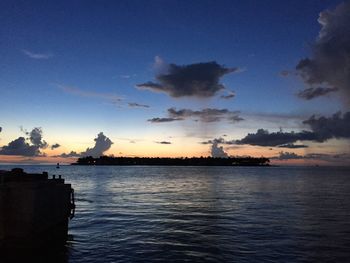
{"points": [[218, 151], [329, 65], [54, 146], [0, 129], [163, 142], [206, 115], [293, 146], [137, 105], [218, 141], [36, 138], [20, 146], [265, 138], [160, 120], [102, 144], [336, 126], [311, 93], [194, 80], [322, 129]]}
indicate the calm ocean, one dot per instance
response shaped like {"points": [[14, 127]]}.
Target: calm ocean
{"points": [[206, 214]]}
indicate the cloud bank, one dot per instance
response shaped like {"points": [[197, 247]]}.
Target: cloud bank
{"points": [[343, 158], [322, 129], [199, 80], [328, 68]]}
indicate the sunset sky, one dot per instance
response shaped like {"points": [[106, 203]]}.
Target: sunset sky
{"points": [[175, 78]]}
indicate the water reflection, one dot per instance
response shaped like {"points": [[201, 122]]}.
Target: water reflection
{"points": [[200, 214]]}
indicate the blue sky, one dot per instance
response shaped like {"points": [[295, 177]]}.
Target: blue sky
{"points": [[65, 62]]}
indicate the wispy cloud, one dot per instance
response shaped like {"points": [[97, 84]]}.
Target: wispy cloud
{"points": [[230, 95], [137, 105], [91, 94], [37, 55], [206, 115]]}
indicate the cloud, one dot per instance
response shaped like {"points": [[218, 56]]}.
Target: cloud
{"points": [[36, 138], [218, 151], [90, 94], [293, 146], [137, 105], [343, 158], [72, 154], [310, 93], [285, 73], [37, 55], [322, 129], [205, 115], [265, 138], [329, 64], [0, 129], [230, 95], [288, 156], [20, 146], [336, 126], [102, 144], [161, 120], [54, 146], [219, 140], [199, 80], [163, 142]]}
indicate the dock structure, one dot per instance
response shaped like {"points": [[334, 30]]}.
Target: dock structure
{"points": [[34, 210]]}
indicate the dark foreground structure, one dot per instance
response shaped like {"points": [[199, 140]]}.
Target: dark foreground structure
{"points": [[194, 161], [34, 210]]}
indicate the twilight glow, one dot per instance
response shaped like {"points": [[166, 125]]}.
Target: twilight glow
{"points": [[175, 78]]}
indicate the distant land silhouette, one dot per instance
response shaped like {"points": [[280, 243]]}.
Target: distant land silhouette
{"points": [[193, 161]]}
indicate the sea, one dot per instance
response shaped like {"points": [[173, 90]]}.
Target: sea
{"points": [[204, 214]]}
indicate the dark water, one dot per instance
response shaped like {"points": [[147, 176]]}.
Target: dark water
{"points": [[207, 214]]}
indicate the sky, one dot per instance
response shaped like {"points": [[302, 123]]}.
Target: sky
{"points": [[175, 79]]}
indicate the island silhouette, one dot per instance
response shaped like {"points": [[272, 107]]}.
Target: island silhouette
{"points": [[182, 161]]}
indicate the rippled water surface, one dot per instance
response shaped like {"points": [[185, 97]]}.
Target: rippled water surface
{"points": [[207, 214]]}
